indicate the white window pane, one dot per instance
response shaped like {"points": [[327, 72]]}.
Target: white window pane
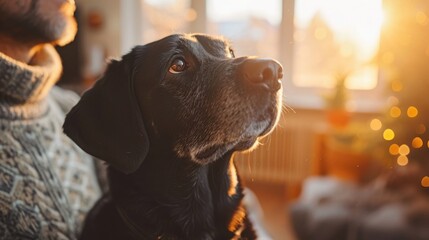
{"points": [[335, 37], [222, 10], [165, 17], [251, 25]]}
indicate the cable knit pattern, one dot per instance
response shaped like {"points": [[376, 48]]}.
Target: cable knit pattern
{"points": [[47, 184]]}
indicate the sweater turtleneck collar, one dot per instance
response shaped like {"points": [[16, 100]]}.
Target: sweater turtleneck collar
{"points": [[24, 87]]}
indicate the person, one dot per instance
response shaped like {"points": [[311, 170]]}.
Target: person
{"points": [[47, 184]]}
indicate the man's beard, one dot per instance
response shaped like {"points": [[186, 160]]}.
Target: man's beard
{"points": [[33, 28]]}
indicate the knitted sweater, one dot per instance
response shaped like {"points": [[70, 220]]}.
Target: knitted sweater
{"points": [[47, 184]]}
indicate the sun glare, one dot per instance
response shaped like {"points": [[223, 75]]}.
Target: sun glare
{"points": [[222, 10], [358, 21], [356, 27]]}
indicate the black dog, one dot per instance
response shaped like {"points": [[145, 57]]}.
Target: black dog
{"points": [[168, 118]]}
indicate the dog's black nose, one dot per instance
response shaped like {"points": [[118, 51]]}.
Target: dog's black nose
{"points": [[263, 73]]}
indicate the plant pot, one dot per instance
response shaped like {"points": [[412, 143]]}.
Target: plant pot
{"points": [[338, 117]]}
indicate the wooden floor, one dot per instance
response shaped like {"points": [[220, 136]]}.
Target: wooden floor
{"points": [[274, 202]]}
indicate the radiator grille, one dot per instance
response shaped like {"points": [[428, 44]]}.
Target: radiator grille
{"points": [[284, 156]]}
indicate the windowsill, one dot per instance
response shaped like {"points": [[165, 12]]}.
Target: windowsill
{"points": [[364, 105]]}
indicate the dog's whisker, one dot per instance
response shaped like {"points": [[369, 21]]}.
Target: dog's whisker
{"points": [[286, 108], [285, 105], [270, 140], [289, 107], [249, 166]]}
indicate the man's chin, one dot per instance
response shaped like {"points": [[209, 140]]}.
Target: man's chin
{"points": [[67, 35]]}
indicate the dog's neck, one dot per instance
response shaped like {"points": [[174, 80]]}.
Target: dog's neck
{"points": [[182, 194]]}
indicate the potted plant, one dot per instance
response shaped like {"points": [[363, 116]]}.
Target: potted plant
{"points": [[337, 115]]}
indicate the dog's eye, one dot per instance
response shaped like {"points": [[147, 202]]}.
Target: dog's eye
{"points": [[231, 52], [177, 66]]}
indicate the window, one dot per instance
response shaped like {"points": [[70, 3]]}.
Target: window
{"points": [[336, 37], [165, 17], [251, 25]]}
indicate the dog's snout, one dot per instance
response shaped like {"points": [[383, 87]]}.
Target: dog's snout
{"points": [[262, 73]]}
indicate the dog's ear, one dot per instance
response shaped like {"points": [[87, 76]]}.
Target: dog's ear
{"points": [[107, 122]]}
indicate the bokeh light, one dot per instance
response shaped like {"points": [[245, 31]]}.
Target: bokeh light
{"points": [[394, 149], [412, 112], [417, 142], [402, 160], [404, 150], [388, 134], [375, 124], [395, 112], [397, 86], [392, 100], [425, 181]]}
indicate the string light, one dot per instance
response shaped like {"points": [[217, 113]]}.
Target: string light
{"points": [[392, 100], [412, 112], [410, 128], [397, 86], [395, 112], [402, 160], [388, 134], [375, 124], [425, 181], [394, 149], [404, 150], [417, 142]]}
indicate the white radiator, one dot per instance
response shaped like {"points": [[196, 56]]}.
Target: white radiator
{"points": [[284, 157]]}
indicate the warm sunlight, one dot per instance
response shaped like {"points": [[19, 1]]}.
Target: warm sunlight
{"points": [[221, 10], [352, 28], [357, 21]]}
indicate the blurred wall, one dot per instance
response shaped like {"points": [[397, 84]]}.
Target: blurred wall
{"points": [[108, 28]]}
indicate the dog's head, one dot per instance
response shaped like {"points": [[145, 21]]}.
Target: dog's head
{"points": [[188, 92]]}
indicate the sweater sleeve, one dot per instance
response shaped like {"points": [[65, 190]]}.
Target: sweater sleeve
{"points": [[65, 99]]}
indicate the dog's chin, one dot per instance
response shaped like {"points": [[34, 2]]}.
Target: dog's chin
{"points": [[211, 153], [215, 152], [263, 125], [247, 145], [251, 141], [246, 142]]}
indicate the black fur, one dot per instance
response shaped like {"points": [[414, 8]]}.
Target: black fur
{"points": [[169, 138]]}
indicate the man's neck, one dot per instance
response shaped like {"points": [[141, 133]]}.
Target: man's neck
{"points": [[18, 50]]}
